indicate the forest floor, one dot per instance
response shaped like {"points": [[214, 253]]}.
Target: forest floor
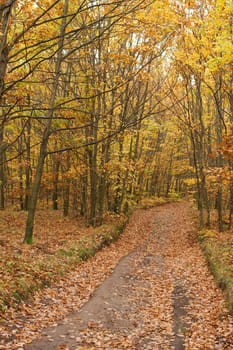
{"points": [[151, 289]]}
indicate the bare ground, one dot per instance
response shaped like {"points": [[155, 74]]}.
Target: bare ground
{"points": [[149, 290]]}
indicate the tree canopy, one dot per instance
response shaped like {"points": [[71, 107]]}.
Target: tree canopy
{"points": [[104, 103]]}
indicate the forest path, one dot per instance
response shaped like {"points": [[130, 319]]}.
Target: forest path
{"points": [[159, 296]]}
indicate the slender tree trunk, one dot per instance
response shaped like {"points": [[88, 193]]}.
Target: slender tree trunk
{"points": [[102, 185], [66, 189], [43, 148], [74, 192], [219, 159], [28, 165], [230, 205], [117, 199], [230, 97], [2, 170], [56, 168], [231, 161], [169, 174], [21, 187], [5, 13], [83, 207], [93, 175], [199, 156]]}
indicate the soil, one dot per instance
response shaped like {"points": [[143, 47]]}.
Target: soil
{"points": [[157, 294]]}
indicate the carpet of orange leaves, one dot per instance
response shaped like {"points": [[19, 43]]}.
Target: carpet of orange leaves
{"points": [[175, 260]]}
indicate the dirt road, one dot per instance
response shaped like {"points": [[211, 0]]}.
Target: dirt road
{"points": [[160, 296]]}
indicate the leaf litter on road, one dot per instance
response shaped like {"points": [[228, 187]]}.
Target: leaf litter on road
{"points": [[164, 259]]}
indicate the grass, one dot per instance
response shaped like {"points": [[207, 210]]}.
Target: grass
{"points": [[218, 249], [59, 245]]}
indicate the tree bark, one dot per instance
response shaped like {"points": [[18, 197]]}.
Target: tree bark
{"points": [[56, 167], [66, 188], [43, 148], [219, 159], [5, 13]]}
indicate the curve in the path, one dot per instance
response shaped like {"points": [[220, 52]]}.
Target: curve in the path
{"points": [[159, 297]]}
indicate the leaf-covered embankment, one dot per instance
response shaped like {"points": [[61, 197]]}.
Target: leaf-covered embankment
{"points": [[218, 250], [60, 244], [74, 288], [143, 310]]}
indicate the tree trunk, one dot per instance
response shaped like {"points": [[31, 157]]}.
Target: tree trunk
{"points": [[2, 170], [66, 189], [5, 13], [118, 191], [28, 166], [43, 148], [219, 159], [199, 156], [231, 162], [56, 167], [21, 187]]}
